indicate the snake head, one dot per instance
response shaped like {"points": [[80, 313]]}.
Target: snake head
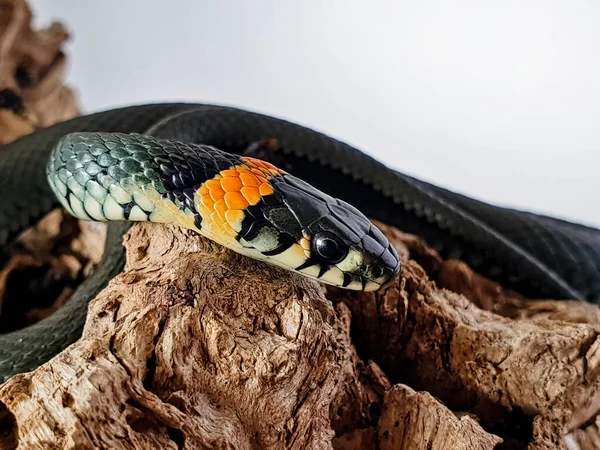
{"points": [[303, 229], [243, 203]]}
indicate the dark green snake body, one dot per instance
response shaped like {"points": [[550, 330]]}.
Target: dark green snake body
{"points": [[538, 256]]}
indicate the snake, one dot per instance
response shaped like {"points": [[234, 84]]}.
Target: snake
{"points": [[269, 189]]}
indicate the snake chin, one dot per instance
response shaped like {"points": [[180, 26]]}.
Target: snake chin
{"points": [[371, 277]]}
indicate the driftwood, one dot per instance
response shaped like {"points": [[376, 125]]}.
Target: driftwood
{"points": [[531, 380], [32, 72], [194, 346]]}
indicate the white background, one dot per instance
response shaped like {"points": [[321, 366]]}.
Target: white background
{"points": [[497, 100]]}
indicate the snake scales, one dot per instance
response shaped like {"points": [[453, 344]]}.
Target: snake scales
{"points": [[538, 256]]}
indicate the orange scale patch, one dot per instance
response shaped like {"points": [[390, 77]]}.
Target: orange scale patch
{"points": [[265, 189], [217, 194], [251, 194], [235, 200], [230, 173], [249, 180], [222, 200], [260, 164], [252, 162], [231, 184], [270, 166], [212, 184]]}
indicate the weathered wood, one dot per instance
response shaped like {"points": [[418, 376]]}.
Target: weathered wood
{"points": [[195, 345], [32, 73]]}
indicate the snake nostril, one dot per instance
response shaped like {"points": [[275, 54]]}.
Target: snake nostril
{"points": [[377, 271]]}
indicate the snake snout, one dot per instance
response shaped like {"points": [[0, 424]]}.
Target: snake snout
{"points": [[342, 247]]}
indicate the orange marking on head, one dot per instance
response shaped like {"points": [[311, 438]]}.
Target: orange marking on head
{"points": [[259, 167], [265, 189], [222, 200], [230, 173], [275, 168], [235, 200], [249, 180], [231, 184], [217, 194], [251, 194]]}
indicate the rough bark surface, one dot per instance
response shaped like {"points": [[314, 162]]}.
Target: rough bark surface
{"points": [[195, 346], [530, 377], [32, 73]]}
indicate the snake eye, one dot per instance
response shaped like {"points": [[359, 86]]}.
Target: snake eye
{"points": [[329, 247]]}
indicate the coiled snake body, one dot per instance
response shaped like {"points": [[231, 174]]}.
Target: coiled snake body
{"points": [[189, 164]]}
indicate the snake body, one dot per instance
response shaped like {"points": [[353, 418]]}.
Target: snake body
{"points": [[170, 163]]}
